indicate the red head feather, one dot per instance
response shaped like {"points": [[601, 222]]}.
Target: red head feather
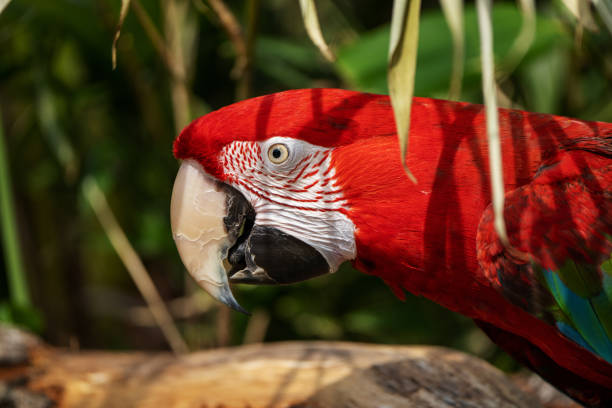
{"points": [[324, 117]]}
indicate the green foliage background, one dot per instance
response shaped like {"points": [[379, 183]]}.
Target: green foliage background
{"points": [[67, 115]]}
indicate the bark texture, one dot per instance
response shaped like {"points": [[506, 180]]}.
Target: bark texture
{"points": [[277, 375]]}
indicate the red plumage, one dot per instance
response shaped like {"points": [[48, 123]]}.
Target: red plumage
{"points": [[323, 117], [423, 237]]}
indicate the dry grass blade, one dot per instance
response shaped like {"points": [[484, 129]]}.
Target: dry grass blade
{"points": [[257, 327], [244, 87], [604, 8], [311, 22], [485, 29], [3, 4], [453, 13], [234, 32], [581, 11], [157, 40], [125, 6], [523, 42], [402, 66], [177, 44], [133, 264]]}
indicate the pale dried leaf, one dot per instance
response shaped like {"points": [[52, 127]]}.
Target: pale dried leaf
{"points": [[453, 13], [3, 4], [311, 22], [523, 41], [125, 5], [581, 11], [402, 66], [398, 24], [604, 8], [485, 29]]}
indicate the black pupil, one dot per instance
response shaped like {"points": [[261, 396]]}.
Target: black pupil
{"points": [[276, 153]]}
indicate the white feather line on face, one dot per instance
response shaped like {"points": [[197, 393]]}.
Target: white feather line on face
{"points": [[299, 196]]}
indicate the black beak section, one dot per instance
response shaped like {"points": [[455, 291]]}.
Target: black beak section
{"points": [[269, 256], [264, 255]]}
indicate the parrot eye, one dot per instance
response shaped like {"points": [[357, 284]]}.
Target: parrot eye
{"points": [[278, 153]]}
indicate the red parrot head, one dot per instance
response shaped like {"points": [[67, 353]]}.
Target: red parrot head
{"points": [[258, 199]]}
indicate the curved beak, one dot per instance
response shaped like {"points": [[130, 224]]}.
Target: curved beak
{"points": [[197, 211], [214, 228]]}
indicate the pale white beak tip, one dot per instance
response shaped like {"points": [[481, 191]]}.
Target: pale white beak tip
{"points": [[197, 211], [223, 294]]}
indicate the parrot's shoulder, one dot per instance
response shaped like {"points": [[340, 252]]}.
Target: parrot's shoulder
{"points": [[559, 265]]}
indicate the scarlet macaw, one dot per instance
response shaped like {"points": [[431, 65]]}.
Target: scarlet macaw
{"points": [[285, 187]]}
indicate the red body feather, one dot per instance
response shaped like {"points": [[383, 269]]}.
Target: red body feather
{"points": [[429, 243], [420, 237]]}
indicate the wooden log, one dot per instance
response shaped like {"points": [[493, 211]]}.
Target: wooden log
{"points": [[275, 375]]}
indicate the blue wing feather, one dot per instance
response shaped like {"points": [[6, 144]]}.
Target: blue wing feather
{"points": [[585, 325]]}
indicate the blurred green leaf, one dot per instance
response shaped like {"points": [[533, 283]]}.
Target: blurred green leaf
{"points": [[56, 137], [78, 18], [5, 313], [153, 232], [68, 65], [297, 54], [320, 326], [435, 51], [17, 280], [291, 63], [604, 8], [541, 79], [20, 315], [363, 321]]}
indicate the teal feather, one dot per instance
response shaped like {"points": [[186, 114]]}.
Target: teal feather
{"points": [[602, 304], [603, 309], [590, 318], [569, 331]]}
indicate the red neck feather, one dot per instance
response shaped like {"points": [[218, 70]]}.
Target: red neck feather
{"points": [[422, 237]]}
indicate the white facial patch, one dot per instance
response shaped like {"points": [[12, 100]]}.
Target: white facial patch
{"points": [[293, 191]]}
